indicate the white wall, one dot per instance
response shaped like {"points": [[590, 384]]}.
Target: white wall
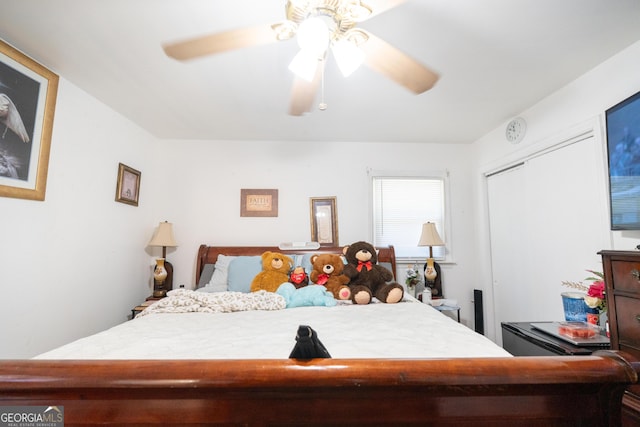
{"points": [[575, 107], [204, 197], [75, 263]]}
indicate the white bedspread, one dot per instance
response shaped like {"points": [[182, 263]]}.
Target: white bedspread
{"points": [[403, 330]]}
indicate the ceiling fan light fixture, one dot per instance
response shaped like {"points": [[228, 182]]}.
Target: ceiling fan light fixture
{"points": [[313, 36], [304, 65], [348, 56], [284, 30], [359, 11]]}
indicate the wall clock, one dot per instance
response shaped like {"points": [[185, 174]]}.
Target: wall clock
{"points": [[515, 130]]}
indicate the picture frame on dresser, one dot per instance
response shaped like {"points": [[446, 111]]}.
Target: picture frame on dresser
{"points": [[28, 92]]}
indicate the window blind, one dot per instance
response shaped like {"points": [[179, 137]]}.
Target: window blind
{"points": [[400, 206]]}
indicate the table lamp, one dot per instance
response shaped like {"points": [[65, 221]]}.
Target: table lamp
{"points": [[163, 271], [431, 238]]}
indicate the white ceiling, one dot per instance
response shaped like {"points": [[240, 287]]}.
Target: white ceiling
{"points": [[495, 58]]}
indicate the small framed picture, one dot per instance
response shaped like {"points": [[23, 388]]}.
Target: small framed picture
{"points": [[258, 202], [128, 187], [324, 221]]}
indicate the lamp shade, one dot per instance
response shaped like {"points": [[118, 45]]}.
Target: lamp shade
{"points": [[164, 236], [430, 236]]}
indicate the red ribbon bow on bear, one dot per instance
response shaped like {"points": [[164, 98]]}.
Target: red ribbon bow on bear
{"points": [[364, 264], [322, 279]]}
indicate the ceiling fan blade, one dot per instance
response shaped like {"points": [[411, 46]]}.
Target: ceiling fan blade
{"points": [[381, 6], [303, 93], [220, 42], [396, 65]]}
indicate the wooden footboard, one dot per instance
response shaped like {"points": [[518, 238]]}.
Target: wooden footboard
{"points": [[541, 391]]}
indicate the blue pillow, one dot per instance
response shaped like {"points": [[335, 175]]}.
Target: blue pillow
{"points": [[242, 270], [302, 260], [306, 263]]}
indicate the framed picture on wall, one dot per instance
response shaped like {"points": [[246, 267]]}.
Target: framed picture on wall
{"points": [[259, 202], [27, 102], [324, 221], [128, 186]]}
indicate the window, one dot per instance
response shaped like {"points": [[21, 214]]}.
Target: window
{"points": [[401, 204]]}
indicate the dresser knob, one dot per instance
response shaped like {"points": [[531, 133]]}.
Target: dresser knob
{"points": [[635, 273]]}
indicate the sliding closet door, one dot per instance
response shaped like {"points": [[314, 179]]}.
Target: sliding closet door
{"points": [[506, 216], [547, 221]]}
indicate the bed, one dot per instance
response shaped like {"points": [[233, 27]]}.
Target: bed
{"points": [[226, 366]]}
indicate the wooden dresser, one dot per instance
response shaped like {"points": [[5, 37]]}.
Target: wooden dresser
{"points": [[622, 277]]}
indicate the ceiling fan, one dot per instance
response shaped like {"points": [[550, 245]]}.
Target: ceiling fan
{"points": [[320, 26]]}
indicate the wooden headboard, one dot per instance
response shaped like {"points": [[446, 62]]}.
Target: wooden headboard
{"points": [[209, 254]]}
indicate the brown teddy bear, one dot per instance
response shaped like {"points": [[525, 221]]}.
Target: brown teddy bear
{"points": [[327, 271], [368, 279], [275, 272]]}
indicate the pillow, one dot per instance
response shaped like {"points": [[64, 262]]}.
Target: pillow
{"points": [[218, 282], [242, 270], [302, 260], [306, 263], [206, 274], [387, 265]]}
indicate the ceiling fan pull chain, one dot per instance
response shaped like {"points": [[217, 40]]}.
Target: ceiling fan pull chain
{"points": [[322, 106]]}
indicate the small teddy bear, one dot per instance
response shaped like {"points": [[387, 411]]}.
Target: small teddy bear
{"points": [[275, 271], [368, 279], [298, 277], [327, 271]]}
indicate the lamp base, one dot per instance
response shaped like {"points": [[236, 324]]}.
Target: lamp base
{"points": [[434, 285], [163, 278], [158, 290]]}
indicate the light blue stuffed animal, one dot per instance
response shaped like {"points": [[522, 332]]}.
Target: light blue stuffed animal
{"points": [[312, 295]]}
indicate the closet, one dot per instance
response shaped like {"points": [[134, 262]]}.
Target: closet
{"points": [[548, 220]]}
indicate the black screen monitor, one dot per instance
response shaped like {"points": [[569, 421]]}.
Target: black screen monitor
{"points": [[623, 149]]}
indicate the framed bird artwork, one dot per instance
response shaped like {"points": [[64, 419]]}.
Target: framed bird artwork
{"points": [[28, 93]]}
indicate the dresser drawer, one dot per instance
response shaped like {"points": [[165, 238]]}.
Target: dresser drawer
{"points": [[626, 276], [628, 322]]}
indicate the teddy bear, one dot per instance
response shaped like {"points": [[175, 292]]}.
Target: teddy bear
{"points": [[311, 295], [299, 277], [275, 271], [327, 271], [368, 279]]}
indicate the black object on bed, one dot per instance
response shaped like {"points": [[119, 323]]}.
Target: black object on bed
{"points": [[308, 345]]}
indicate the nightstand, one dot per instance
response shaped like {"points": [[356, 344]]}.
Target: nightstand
{"points": [[455, 308], [138, 308]]}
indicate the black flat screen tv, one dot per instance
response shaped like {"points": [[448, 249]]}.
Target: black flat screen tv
{"points": [[623, 149]]}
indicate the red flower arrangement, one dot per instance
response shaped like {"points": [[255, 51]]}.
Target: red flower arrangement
{"points": [[596, 297]]}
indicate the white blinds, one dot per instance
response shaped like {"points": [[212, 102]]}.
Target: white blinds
{"points": [[400, 206]]}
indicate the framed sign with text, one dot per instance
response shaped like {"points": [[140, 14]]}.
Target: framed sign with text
{"points": [[259, 202]]}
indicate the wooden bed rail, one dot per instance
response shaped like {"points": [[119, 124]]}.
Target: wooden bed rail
{"points": [[567, 391]]}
